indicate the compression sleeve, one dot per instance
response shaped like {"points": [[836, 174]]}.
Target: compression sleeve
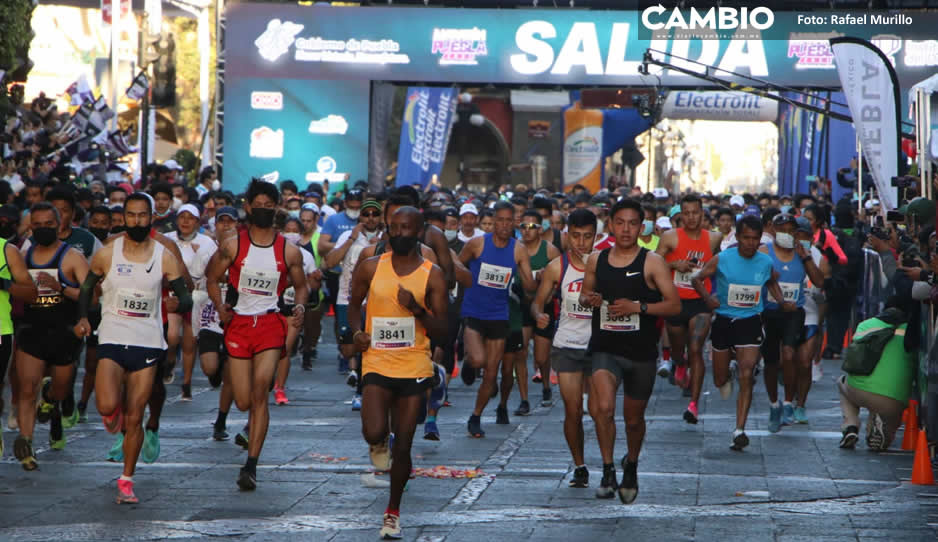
{"points": [[182, 294], [86, 293]]}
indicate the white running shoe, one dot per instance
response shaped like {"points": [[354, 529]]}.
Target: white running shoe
{"points": [[664, 368], [817, 372]]}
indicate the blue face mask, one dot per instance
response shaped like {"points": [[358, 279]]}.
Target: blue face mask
{"points": [[739, 217], [545, 224], [648, 226], [806, 245]]}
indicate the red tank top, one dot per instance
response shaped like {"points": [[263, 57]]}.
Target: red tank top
{"points": [[694, 250]]}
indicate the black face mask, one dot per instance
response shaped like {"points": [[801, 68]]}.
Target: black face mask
{"points": [[263, 218], [45, 236], [138, 234], [7, 230], [402, 245], [118, 229], [100, 233]]}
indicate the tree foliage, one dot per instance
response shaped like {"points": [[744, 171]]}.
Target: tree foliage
{"points": [[15, 36]]}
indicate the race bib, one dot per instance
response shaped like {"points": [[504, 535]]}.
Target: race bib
{"points": [[790, 291], [617, 323], [390, 333], [744, 296], [135, 303], [261, 282], [289, 295], [575, 311], [683, 280], [43, 291], [494, 276]]}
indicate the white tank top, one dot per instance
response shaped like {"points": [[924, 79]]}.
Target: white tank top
{"points": [[574, 325], [131, 300], [258, 280]]}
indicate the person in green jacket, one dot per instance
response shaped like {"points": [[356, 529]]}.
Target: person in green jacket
{"points": [[884, 392]]}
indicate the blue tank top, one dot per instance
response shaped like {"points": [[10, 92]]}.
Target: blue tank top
{"points": [[740, 283], [487, 298], [790, 279]]}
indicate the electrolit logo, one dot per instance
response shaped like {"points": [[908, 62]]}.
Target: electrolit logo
{"points": [[277, 39], [412, 100], [586, 144], [326, 164]]}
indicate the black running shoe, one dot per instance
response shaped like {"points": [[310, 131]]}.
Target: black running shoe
{"points": [[241, 439], [546, 397], [187, 392], [247, 480], [501, 415], [740, 441], [352, 379], [475, 427], [628, 489], [581, 477], [308, 358], [219, 433], [523, 409], [850, 436], [214, 380], [468, 374], [607, 488]]}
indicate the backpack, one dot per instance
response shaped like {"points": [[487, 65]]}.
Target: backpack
{"points": [[846, 278], [864, 351]]}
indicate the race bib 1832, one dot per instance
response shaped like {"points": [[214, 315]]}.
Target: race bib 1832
{"points": [[494, 276], [744, 296], [135, 304]]}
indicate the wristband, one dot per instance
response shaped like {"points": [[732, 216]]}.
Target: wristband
{"points": [[5, 284]]}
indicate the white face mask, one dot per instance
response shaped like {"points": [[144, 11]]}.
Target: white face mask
{"points": [[450, 234], [369, 235], [584, 257], [784, 240], [177, 203], [216, 185], [292, 237], [352, 213], [600, 226]]}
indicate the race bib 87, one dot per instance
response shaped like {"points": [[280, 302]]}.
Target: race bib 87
{"points": [[791, 291]]}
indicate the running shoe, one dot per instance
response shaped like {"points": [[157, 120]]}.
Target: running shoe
{"points": [[581, 477], [56, 433], [308, 358], [553, 377], [151, 446], [219, 433], [850, 436], [44, 408], [125, 492], [475, 427], [524, 409], [431, 431], [467, 373], [114, 422], [380, 455], [169, 374], [391, 529], [71, 420], [352, 380], [12, 422], [501, 415], [817, 371], [680, 376], [116, 453], [607, 488], [247, 480], [628, 489], [664, 368], [23, 450], [775, 418], [801, 415], [788, 414], [343, 366], [690, 415], [241, 439], [215, 379], [280, 396], [740, 441], [876, 435], [537, 377], [546, 399], [82, 413], [356, 403], [438, 393], [187, 392]]}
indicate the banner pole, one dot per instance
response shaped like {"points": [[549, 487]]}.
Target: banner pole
{"points": [[860, 176]]}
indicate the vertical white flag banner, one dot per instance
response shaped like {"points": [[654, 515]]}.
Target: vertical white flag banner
{"points": [[872, 89]]}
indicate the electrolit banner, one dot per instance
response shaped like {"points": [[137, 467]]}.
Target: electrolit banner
{"points": [[717, 105], [547, 46], [425, 131], [310, 132], [582, 148]]}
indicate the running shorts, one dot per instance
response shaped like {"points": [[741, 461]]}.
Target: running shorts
{"points": [[53, 345], [781, 329], [133, 358], [489, 329], [571, 360], [689, 309], [211, 341], [637, 377], [515, 342], [399, 387], [246, 336], [728, 333]]}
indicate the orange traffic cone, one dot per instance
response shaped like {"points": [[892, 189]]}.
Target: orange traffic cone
{"points": [[455, 372], [910, 417], [331, 311], [847, 337], [921, 469]]}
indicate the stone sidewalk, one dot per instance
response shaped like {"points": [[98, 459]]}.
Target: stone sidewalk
{"points": [[794, 485]]}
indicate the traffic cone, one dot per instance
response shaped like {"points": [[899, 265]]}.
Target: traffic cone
{"points": [[910, 417], [847, 336], [921, 469], [455, 372]]}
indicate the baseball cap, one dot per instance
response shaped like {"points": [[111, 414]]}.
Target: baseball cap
{"points": [[752, 210], [664, 223], [737, 201], [310, 207], [674, 211], [803, 225], [870, 204], [660, 193], [783, 218], [189, 208], [468, 208], [227, 211], [172, 164]]}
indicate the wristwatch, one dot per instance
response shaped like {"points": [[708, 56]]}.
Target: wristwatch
{"points": [[643, 308]]}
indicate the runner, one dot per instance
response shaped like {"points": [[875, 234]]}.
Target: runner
{"points": [[131, 343], [259, 262], [540, 253], [44, 337], [741, 274], [99, 224], [624, 341], [406, 302], [569, 353], [687, 250], [309, 217], [18, 285], [493, 260]]}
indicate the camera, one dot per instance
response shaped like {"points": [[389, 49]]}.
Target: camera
{"points": [[895, 216], [902, 182], [879, 233]]}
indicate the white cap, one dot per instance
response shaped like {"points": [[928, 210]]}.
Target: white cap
{"points": [[189, 208], [327, 211], [664, 223], [737, 201], [468, 208], [310, 207], [870, 204], [172, 164], [660, 193]]}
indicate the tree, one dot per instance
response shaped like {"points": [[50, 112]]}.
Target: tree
{"points": [[15, 16]]}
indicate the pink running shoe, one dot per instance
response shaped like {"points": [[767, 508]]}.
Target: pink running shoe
{"points": [[280, 397], [690, 415], [125, 492]]}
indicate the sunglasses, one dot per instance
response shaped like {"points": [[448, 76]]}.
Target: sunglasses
{"points": [[529, 226], [371, 215]]}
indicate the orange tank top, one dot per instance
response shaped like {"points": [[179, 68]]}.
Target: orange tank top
{"points": [[692, 250], [399, 344]]}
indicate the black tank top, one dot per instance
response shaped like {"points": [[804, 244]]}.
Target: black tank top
{"points": [[51, 309], [621, 337]]}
